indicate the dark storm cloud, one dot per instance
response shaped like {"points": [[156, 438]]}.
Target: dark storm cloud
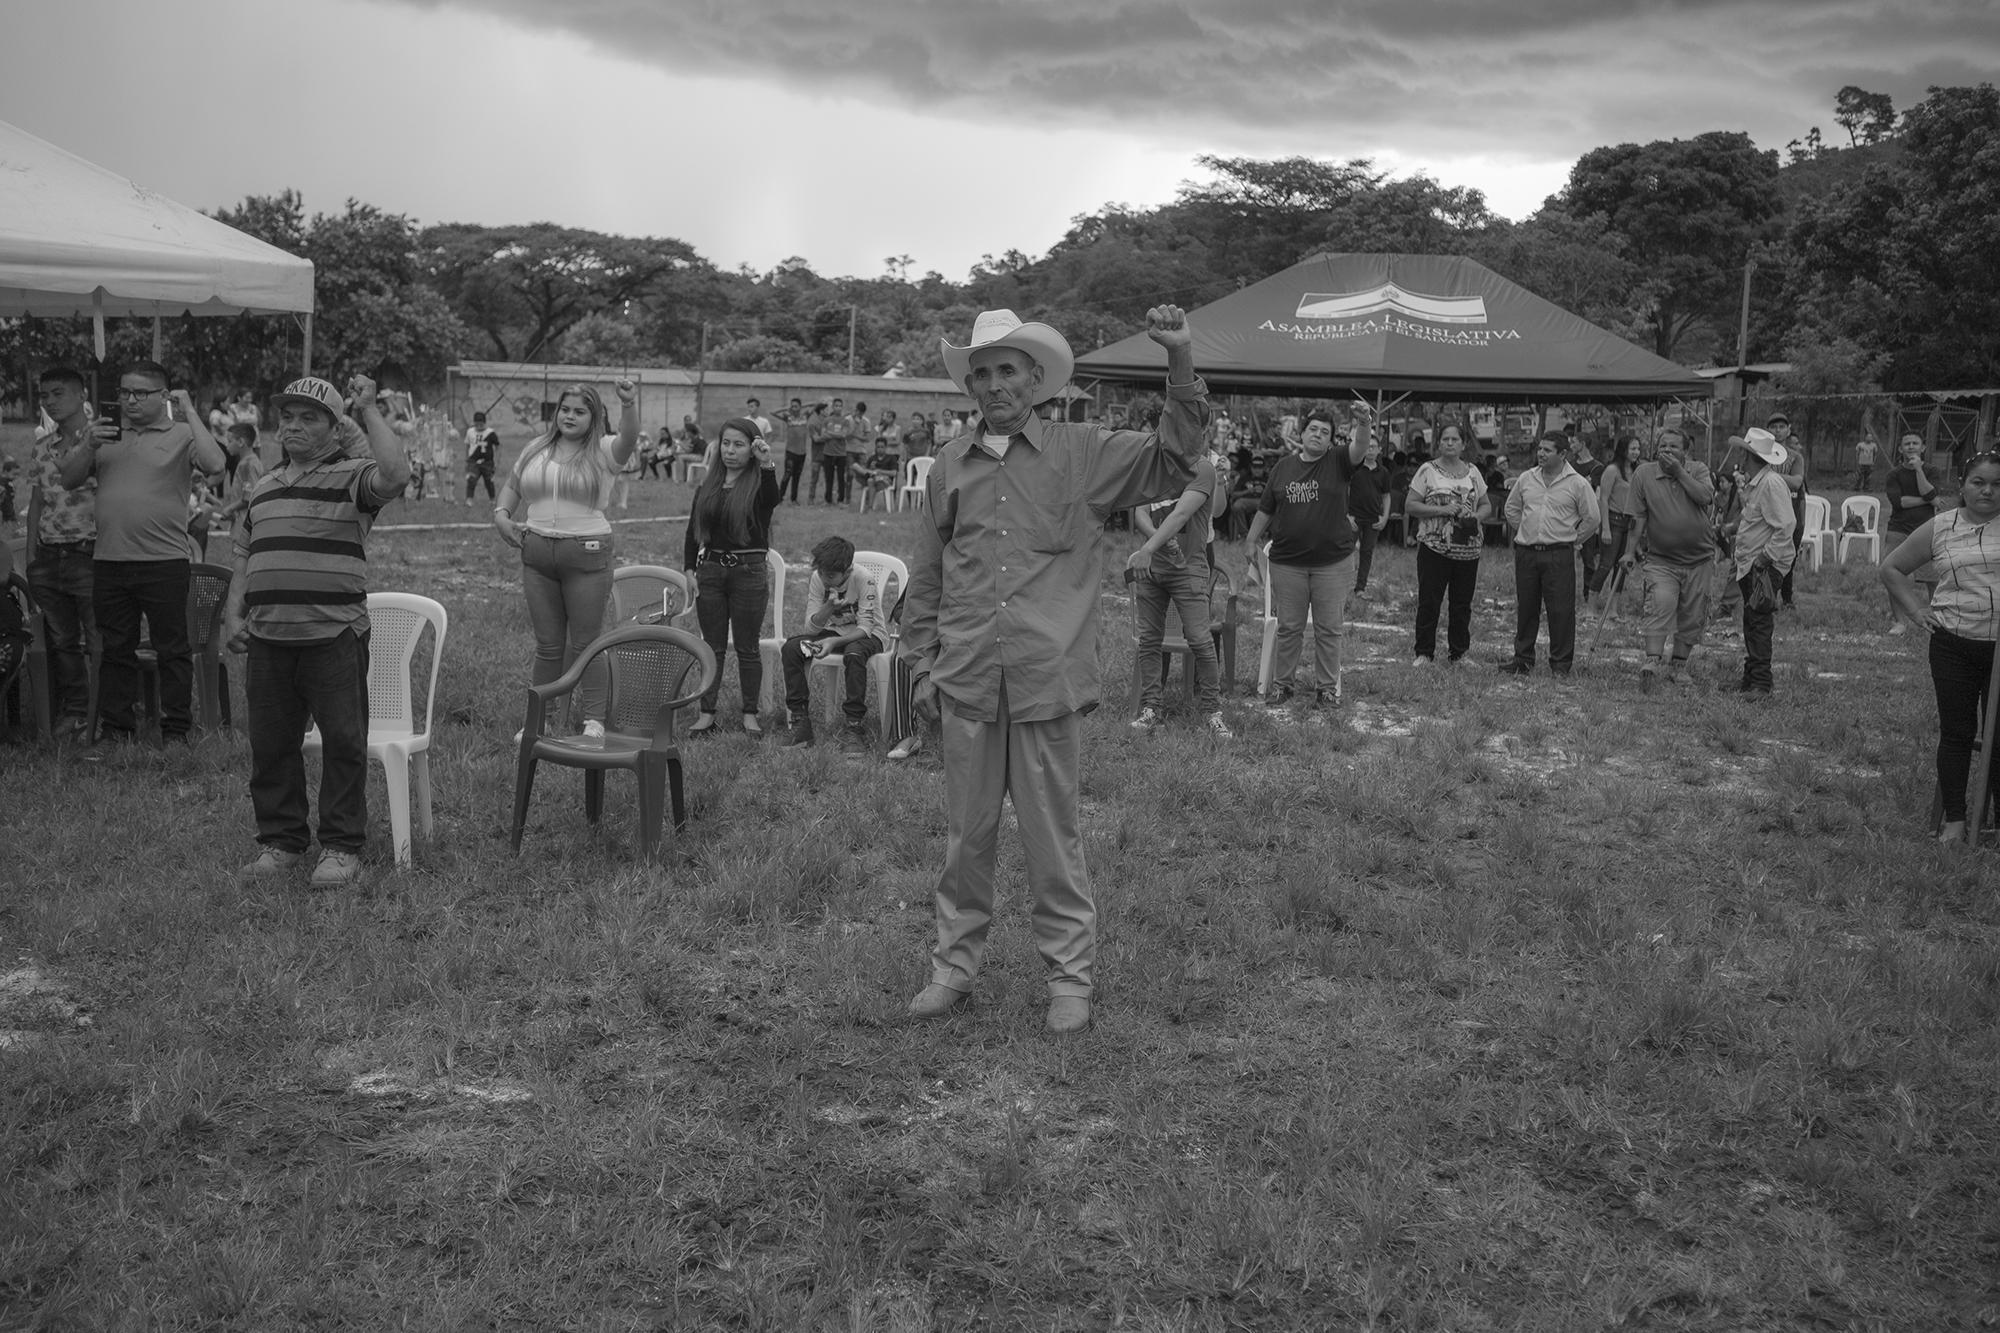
{"points": [[1429, 79]]}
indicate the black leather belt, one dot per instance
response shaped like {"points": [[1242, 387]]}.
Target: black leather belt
{"points": [[731, 559], [1546, 546]]}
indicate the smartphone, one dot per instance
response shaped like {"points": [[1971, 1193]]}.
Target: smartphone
{"points": [[109, 413]]}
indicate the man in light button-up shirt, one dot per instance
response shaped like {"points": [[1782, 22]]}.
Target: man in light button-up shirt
{"points": [[1000, 631]]}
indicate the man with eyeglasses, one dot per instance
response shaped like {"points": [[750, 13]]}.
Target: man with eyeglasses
{"points": [[140, 566], [62, 532]]}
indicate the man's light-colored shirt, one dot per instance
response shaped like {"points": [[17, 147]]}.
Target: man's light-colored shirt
{"points": [[1765, 527], [1004, 583], [1546, 512], [67, 514]]}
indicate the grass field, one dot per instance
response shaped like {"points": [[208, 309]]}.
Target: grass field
{"points": [[1488, 1005]]}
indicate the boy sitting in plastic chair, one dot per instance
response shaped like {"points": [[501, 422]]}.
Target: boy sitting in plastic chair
{"points": [[882, 475], [844, 616]]}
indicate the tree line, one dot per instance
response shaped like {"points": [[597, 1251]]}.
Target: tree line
{"points": [[1874, 266]]}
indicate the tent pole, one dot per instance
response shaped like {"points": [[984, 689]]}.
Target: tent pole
{"points": [[158, 345], [306, 351]]}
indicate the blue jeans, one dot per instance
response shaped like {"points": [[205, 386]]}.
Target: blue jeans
{"points": [[61, 579], [1322, 590], [854, 657], [1960, 668], [1187, 589], [289, 685], [1442, 580], [122, 591], [729, 603], [567, 581], [1757, 628]]}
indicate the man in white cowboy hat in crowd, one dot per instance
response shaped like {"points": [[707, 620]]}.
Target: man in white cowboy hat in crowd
{"points": [[1763, 532], [299, 606], [1000, 631]]}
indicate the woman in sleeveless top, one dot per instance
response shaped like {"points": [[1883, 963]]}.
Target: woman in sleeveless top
{"points": [[552, 511], [1448, 499], [1615, 513], [1963, 547]]}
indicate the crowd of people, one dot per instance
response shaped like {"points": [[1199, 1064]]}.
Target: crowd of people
{"points": [[997, 658]]}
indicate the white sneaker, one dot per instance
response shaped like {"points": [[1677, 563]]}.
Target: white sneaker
{"points": [[752, 725], [593, 730], [908, 746], [1148, 719], [1218, 728], [1422, 660]]}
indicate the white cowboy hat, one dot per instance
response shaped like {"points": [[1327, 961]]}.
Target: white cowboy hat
{"points": [[1765, 445], [1003, 328]]}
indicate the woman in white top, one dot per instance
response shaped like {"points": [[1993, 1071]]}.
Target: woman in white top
{"points": [[565, 478], [1448, 499], [1963, 547]]}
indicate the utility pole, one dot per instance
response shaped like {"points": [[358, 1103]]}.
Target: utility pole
{"points": [[850, 338], [701, 371], [1743, 346]]}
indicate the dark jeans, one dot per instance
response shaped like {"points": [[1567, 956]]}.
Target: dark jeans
{"points": [[729, 603], [474, 477], [1590, 551], [1437, 576], [290, 685], [835, 470], [1545, 578], [60, 577], [1186, 589], [1960, 669], [1757, 627], [122, 591], [1864, 477], [854, 657], [1365, 534], [789, 487], [567, 582], [1611, 553]]}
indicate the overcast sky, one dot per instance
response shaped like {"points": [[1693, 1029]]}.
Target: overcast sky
{"points": [[849, 132]]}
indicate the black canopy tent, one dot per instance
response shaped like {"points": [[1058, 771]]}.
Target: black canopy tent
{"points": [[1436, 327]]}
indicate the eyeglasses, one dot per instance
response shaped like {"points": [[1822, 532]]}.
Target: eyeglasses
{"points": [[124, 392]]}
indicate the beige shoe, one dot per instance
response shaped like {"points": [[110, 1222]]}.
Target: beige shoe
{"points": [[272, 863], [337, 870], [1069, 1013], [935, 1001]]}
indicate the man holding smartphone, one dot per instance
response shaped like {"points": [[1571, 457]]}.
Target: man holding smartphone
{"points": [[140, 567]]}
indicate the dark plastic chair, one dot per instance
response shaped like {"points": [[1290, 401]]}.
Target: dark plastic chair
{"points": [[651, 594], [24, 658], [648, 671]]}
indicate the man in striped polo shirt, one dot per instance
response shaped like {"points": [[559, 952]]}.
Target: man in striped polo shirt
{"points": [[299, 606]]}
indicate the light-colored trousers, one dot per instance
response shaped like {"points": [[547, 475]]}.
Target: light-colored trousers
{"points": [[1038, 765], [1676, 604], [1323, 590]]}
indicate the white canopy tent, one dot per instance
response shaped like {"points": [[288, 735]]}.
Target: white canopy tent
{"points": [[76, 239]]}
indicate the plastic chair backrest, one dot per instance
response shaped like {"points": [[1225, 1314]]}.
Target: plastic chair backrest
{"points": [[640, 590], [208, 591], [396, 623], [1819, 515], [1867, 506], [881, 566], [775, 565], [917, 472], [647, 670]]}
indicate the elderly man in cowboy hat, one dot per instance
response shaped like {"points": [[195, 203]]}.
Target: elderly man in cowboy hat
{"points": [[1000, 630], [1763, 536]]}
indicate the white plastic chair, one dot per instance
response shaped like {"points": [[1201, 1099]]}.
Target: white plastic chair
{"points": [[395, 739], [880, 568], [695, 473], [1818, 541], [870, 489], [1869, 510], [644, 590], [767, 647], [916, 479]]}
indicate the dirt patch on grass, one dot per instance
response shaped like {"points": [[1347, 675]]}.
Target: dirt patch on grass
{"points": [[35, 1004]]}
